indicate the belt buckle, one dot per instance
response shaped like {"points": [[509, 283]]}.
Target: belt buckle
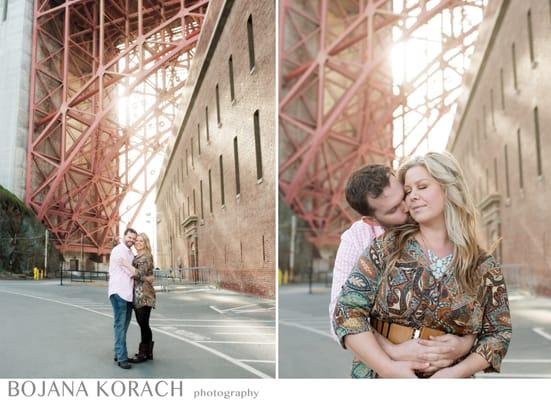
{"points": [[416, 333]]}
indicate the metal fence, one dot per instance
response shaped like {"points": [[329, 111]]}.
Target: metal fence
{"points": [[519, 277], [169, 279]]}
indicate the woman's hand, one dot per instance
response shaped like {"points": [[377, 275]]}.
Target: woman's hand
{"points": [[445, 373], [402, 369]]}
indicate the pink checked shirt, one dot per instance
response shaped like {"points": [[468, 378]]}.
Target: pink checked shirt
{"points": [[353, 243], [120, 279]]}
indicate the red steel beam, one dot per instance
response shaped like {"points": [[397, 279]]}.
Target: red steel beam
{"points": [[81, 160], [340, 104]]}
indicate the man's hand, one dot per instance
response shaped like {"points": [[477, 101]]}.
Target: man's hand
{"points": [[443, 351], [439, 351]]}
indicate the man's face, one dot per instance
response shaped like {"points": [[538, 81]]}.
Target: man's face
{"points": [[390, 208], [129, 239]]}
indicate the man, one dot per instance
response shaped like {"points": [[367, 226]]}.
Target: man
{"points": [[375, 193], [121, 291]]}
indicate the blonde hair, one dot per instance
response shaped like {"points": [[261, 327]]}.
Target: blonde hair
{"points": [[459, 215], [146, 243]]}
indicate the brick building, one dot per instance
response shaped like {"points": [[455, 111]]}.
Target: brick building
{"points": [[499, 136], [216, 195]]}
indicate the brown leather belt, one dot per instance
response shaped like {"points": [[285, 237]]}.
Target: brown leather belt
{"points": [[399, 333]]}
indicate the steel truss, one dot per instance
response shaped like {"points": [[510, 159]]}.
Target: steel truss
{"points": [[341, 105], [105, 79]]}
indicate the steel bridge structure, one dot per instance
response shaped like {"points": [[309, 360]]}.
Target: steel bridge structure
{"points": [[106, 77], [363, 81]]}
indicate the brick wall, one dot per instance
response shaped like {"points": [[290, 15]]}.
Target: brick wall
{"points": [[236, 238], [496, 113]]}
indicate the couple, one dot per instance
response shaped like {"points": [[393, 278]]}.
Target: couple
{"points": [[131, 286], [424, 299]]}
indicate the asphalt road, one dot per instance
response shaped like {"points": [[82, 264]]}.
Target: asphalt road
{"points": [[307, 350], [52, 331]]}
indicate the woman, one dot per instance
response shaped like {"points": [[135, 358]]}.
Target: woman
{"points": [[431, 275], [144, 296]]}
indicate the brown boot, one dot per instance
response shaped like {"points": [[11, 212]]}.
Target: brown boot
{"points": [[141, 355], [150, 350]]}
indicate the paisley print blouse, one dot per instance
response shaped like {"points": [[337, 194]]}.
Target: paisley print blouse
{"points": [[410, 295], [144, 293]]}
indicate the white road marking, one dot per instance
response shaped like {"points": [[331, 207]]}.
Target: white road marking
{"points": [[502, 375], [306, 328], [191, 335], [239, 309], [255, 310], [541, 332], [223, 326], [259, 361], [244, 334], [213, 320], [232, 360], [194, 290], [229, 342]]}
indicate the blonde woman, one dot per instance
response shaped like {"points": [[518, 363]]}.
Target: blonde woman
{"points": [[144, 296], [425, 280]]}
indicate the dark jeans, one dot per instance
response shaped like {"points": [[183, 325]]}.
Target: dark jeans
{"points": [[122, 311], [142, 316]]}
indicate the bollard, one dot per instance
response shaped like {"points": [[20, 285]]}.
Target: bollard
{"points": [[41, 274], [35, 273], [286, 277], [279, 277]]}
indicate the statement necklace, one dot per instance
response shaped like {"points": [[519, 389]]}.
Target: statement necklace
{"points": [[437, 265]]}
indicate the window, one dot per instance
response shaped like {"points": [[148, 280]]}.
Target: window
{"points": [[201, 195], [501, 84], [492, 107], [487, 181], [210, 191], [520, 173], [484, 124], [515, 80], [258, 148], [191, 150], [232, 87], [530, 37], [538, 144], [236, 161], [218, 106], [495, 175], [263, 250], [198, 139], [507, 189], [194, 204], [187, 166], [250, 36], [222, 180], [207, 123]]}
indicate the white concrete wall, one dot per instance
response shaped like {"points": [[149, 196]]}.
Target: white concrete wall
{"points": [[15, 65]]}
